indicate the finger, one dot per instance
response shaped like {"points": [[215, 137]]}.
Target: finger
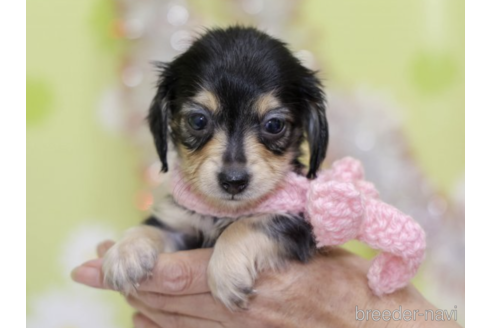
{"points": [[103, 247], [170, 320], [177, 273], [141, 321], [181, 273], [197, 305], [89, 274]]}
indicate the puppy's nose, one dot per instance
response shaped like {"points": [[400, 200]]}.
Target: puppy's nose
{"points": [[233, 180]]}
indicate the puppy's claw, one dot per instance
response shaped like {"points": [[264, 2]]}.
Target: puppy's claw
{"points": [[235, 301], [232, 293]]}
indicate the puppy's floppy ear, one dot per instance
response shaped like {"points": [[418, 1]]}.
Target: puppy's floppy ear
{"points": [[315, 122], [159, 113]]}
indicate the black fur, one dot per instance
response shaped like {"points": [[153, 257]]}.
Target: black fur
{"points": [[295, 235], [181, 241], [159, 113], [154, 222], [238, 64]]}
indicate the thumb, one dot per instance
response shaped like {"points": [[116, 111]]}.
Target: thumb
{"points": [[180, 273]]}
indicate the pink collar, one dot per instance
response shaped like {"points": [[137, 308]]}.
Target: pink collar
{"points": [[289, 197]]}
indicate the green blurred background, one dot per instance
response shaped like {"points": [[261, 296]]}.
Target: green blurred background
{"points": [[84, 180]]}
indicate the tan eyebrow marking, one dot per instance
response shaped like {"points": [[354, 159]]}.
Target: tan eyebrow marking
{"points": [[207, 99], [266, 102]]}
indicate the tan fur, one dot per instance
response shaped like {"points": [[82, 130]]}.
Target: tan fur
{"points": [[207, 99], [267, 169], [200, 168], [242, 251], [133, 257], [265, 103]]}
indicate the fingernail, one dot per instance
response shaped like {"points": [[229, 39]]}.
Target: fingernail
{"points": [[82, 272], [87, 275], [92, 264]]}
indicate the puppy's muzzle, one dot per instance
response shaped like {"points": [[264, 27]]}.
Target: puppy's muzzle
{"points": [[233, 179]]}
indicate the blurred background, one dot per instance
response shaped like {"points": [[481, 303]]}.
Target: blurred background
{"points": [[394, 75]]}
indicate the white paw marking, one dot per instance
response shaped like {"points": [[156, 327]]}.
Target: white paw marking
{"points": [[127, 263]]}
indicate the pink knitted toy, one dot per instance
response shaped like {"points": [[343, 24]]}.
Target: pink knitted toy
{"points": [[340, 206]]}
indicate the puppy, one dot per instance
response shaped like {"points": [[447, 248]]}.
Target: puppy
{"points": [[236, 106]]}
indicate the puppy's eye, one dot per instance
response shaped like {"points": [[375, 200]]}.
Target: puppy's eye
{"points": [[274, 126], [197, 121]]}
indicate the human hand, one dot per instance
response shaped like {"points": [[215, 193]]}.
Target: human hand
{"points": [[322, 293]]}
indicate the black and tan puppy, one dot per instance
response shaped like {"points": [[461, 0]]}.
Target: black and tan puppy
{"points": [[236, 105]]}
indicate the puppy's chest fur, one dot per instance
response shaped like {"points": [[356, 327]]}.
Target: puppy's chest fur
{"points": [[189, 229]]}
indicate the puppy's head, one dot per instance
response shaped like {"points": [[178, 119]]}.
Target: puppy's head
{"points": [[237, 105]]}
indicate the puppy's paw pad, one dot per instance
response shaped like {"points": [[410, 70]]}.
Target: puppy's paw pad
{"points": [[126, 264]]}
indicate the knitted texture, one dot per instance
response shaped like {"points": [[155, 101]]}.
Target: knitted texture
{"points": [[341, 206]]}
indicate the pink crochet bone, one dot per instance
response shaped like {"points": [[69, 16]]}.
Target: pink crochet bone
{"points": [[341, 206]]}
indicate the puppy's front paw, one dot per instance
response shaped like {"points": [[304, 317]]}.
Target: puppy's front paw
{"points": [[231, 283], [128, 262]]}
